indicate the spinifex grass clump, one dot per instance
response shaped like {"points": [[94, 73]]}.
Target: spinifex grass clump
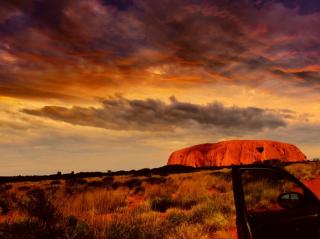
{"points": [[42, 219]]}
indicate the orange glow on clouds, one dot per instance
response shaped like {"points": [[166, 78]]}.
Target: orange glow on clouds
{"points": [[62, 61]]}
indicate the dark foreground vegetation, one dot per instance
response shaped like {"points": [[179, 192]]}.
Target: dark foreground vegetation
{"points": [[164, 203]]}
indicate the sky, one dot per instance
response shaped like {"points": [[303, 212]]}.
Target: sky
{"points": [[97, 85]]}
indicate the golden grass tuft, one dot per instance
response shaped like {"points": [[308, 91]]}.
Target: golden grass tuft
{"points": [[95, 202]]}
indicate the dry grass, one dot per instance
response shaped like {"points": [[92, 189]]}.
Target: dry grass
{"points": [[95, 202], [178, 206], [305, 171], [174, 206]]}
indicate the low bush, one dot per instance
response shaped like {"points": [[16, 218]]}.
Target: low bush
{"points": [[4, 206], [55, 182], [5, 187], [39, 205], [177, 216], [96, 183], [133, 183], [34, 229], [161, 204], [24, 188], [108, 179]]}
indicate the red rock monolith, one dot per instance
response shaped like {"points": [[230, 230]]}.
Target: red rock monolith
{"points": [[235, 152]]}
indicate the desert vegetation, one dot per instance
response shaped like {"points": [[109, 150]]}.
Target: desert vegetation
{"points": [[198, 204], [305, 171]]}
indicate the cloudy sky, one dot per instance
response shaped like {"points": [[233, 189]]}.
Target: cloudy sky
{"points": [[93, 85]]}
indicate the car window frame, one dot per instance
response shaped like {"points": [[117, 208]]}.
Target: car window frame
{"points": [[244, 228], [285, 176]]}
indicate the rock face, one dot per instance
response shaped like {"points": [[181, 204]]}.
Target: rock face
{"points": [[235, 152]]}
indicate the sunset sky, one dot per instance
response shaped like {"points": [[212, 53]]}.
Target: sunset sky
{"points": [[97, 85]]}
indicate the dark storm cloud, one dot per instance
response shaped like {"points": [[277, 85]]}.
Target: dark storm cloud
{"points": [[119, 4], [304, 7], [309, 78], [193, 35], [58, 44], [154, 115], [47, 16]]}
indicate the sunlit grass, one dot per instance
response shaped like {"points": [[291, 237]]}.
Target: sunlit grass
{"points": [[187, 205]]}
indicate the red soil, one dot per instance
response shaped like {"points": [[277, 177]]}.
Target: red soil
{"points": [[134, 201]]}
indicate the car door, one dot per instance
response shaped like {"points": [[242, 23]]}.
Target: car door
{"points": [[271, 203]]}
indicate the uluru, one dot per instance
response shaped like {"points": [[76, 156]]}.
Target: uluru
{"points": [[236, 152]]}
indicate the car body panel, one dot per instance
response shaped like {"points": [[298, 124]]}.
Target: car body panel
{"points": [[298, 223]]}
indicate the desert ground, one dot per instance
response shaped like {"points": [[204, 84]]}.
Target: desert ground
{"points": [[152, 206]]}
